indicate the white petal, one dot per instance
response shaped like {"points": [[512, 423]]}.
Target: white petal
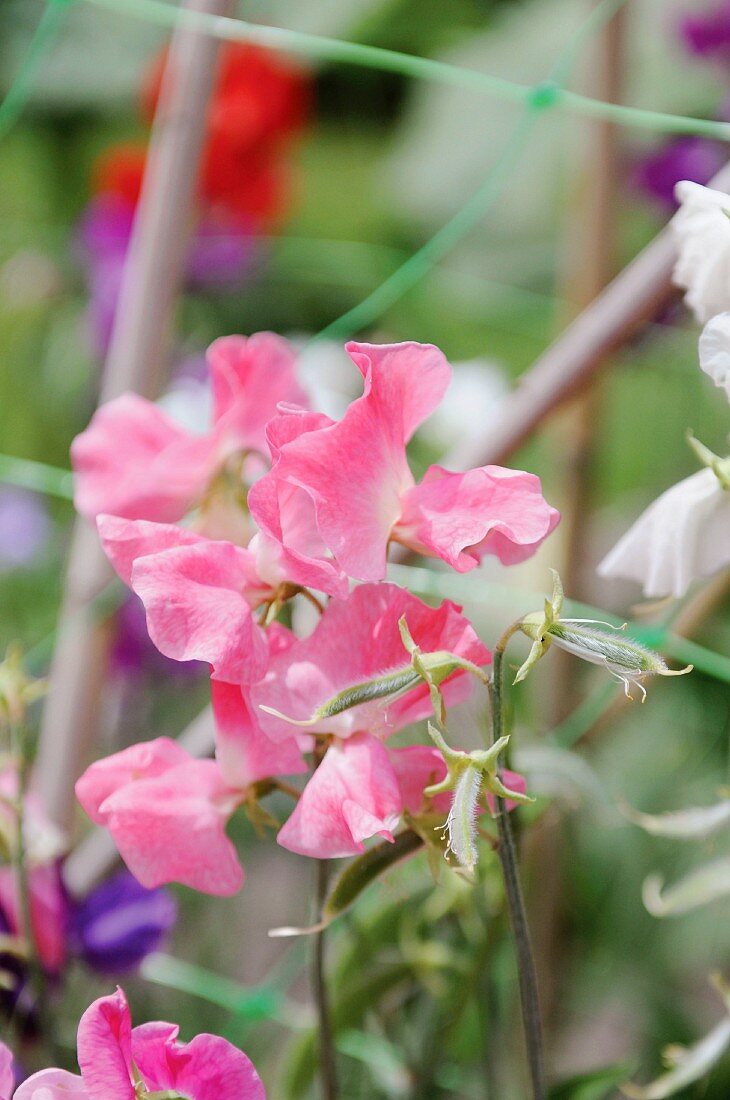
{"points": [[715, 351], [702, 232], [683, 535]]}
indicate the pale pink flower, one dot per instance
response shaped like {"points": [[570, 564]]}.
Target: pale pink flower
{"points": [[199, 594], [715, 350], [166, 813], [355, 793], [683, 536], [113, 1056], [135, 461], [702, 231], [338, 492]]}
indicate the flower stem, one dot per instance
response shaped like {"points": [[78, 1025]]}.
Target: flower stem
{"points": [[327, 1061], [515, 901]]}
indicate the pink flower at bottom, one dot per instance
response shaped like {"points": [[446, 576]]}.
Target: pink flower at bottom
{"points": [[7, 1077], [112, 1054]]}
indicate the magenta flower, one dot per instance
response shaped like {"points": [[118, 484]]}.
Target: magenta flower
{"points": [[339, 492], [355, 793], [119, 1062], [135, 461], [7, 1075], [684, 158], [198, 594], [708, 35]]}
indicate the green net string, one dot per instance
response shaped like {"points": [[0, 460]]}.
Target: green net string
{"points": [[21, 87]]}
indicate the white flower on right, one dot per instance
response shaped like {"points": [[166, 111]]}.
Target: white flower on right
{"points": [[683, 536], [715, 351], [702, 231]]}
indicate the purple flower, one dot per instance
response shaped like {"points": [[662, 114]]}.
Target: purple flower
{"points": [[685, 158], [119, 923], [221, 253], [708, 35], [25, 527]]}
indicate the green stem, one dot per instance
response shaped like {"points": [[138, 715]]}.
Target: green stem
{"points": [[17, 95], [38, 476], [325, 1033], [515, 902]]}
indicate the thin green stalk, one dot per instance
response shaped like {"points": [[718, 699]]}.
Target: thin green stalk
{"points": [[420, 68], [18, 93], [325, 1032], [526, 969], [38, 476]]}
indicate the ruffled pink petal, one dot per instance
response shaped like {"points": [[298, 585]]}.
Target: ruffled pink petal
{"points": [[409, 380], [463, 517], [207, 1068], [198, 600], [353, 795], [51, 1084], [172, 829], [134, 461], [289, 546], [316, 668], [250, 376], [104, 1046], [7, 1076], [126, 540], [354, 472], [146, 760]]}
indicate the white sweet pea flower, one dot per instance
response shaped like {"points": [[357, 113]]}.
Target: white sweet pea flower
{"points": [[702, 230], [682, 536], [715, 351]]}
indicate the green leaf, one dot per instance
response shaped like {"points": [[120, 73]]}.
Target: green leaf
{"points": [[700, 887], [246, 1003], [597, 1084], [356, 877]]}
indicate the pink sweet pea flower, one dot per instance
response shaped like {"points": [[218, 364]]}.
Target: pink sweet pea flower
{"points": [[355, 792], [166, 813], [134, 461], [199, 594], [352, 795], [244, 752], [339, 492], [113, 1056], [358, 639]]}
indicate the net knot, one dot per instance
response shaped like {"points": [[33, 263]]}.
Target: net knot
{"points": [[544, 95]]}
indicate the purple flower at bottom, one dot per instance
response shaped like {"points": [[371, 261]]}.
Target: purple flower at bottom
{"points": [[119, 923], [24, 527], [708, 35], [686, 158]]}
